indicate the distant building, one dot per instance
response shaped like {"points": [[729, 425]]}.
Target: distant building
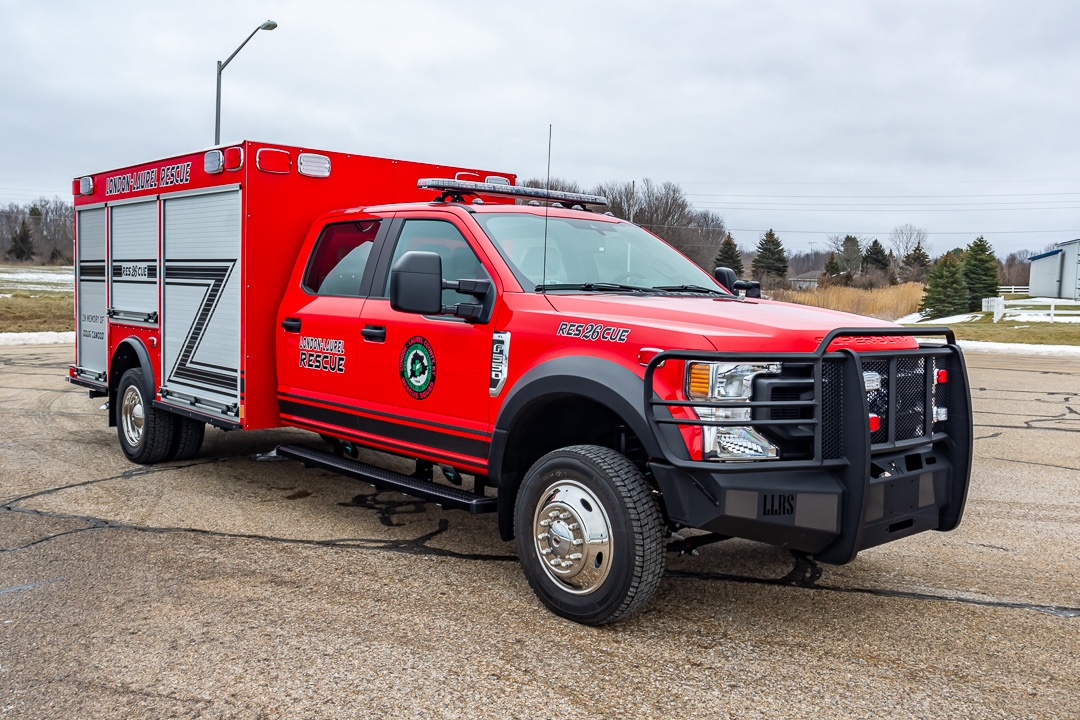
{"points": [[806, 281], [1056, 273]]}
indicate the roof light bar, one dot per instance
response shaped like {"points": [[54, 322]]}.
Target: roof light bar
{"points": [[457, 188]]}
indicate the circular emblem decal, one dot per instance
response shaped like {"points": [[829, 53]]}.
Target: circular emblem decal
{"points": [[416, 365]]}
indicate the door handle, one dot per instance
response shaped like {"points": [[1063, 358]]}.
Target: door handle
{"points": [[374, 333], [291, 324]]}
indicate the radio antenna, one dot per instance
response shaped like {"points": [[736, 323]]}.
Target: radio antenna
{"points": [[547, 206]]}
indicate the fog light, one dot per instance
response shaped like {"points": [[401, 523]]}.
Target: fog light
{"points": [[941, 414]]}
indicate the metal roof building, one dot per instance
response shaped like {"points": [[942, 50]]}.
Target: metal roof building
{"points": [[1056, 273]]}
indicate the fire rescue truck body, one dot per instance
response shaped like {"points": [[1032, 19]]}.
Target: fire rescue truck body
{"points": [[605, 388]]}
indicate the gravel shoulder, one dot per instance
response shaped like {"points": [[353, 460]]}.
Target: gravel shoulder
{"points": [[229, 587]]}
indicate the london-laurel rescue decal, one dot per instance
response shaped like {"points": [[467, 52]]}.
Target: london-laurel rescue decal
{"points": [[163, 177], [322, 354], [417, 367]]}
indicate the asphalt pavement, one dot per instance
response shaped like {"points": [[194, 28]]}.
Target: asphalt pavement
{"points": [[233, 587]]}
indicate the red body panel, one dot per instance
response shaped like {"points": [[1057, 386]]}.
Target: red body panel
{"points": [[278, 211]]}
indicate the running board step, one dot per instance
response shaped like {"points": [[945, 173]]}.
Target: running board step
{"points": [[450, 498]]}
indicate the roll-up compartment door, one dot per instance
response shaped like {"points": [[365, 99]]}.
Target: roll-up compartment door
{"points": [[134, 277], [92, 358], [201, 306]]}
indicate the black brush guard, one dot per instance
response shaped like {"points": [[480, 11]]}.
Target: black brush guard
{"points": [[909, 476]]}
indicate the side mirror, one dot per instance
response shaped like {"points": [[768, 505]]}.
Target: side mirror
{"points": [[416, 283], [751, 288], [416, 286], [726, 277]]}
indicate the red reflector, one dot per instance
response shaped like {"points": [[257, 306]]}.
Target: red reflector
{"points": [[234, 158], [875, 423], [647, 354], [273, 160], [75, 187], [942, 376]]}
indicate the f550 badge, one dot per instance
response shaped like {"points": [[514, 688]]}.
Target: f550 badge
{"points": [[593, 331], [416, 365]]}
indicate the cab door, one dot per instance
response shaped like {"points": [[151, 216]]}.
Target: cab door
{"points": [[319, 344], [428, 378]]}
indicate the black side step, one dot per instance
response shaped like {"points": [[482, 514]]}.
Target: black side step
{"points": [[448, 497]]}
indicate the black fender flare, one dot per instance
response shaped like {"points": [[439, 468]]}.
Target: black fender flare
{"points": [[607, 383], [143, 356]]}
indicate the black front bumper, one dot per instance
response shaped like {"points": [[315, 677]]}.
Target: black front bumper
{"points": [[851, 489]]}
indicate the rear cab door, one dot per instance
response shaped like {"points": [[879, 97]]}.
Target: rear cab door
{"points": [[318, 334]]}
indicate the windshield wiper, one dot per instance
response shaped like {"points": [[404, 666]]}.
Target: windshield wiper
{"points": [[595, 287], [692, 289]]}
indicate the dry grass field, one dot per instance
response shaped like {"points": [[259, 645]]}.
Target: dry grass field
{"points": [[23, 312], [888, 303]]}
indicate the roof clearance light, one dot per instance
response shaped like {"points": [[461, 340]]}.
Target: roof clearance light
{"points": [[313, 165], [234, 158], [213, 162], [497, 180], [273, 160]]}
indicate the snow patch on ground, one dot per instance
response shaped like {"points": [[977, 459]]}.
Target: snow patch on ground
{"points": [[37, 338], [915, 318], [1020, 348]]}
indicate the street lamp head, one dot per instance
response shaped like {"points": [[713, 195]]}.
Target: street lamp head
{"points": [[268, 25]]}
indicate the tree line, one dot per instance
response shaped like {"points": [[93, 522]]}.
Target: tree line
{"points": [[41, 231]]}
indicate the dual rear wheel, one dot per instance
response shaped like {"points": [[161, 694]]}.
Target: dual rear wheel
{"points": [[150, 435]]}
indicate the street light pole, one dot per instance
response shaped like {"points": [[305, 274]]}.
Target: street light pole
{"points": [[268, 25]]}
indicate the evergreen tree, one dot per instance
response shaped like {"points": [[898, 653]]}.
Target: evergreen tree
{"points": [[946, 292], [850, 255], [875, 257], [831, 274], [915, 265], [22, 243], [771, 260], [729, 256], [980, 272]]}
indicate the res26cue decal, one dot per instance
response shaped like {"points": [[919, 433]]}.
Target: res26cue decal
{"points": [[416, 365]]}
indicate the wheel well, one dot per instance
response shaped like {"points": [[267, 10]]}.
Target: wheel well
{"points": [[125, 358], [552, 424]]}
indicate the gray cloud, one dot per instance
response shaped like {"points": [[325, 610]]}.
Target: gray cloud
{"points": [[730, 99]]}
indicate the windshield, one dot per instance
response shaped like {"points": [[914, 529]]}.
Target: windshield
{"points": [[596, 254]]}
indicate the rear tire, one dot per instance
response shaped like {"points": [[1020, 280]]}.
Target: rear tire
{"points": [[146, 433], [187, 438], [590, 536]]}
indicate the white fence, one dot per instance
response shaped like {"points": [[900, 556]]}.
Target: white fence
{"points": [[1014, 289], [1036, 307], [995, 305]]}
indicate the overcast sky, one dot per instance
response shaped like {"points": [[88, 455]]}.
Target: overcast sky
{"points": [[812, 118]]}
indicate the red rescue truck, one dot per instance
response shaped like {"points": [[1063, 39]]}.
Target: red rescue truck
{"points": [[560, 366]]}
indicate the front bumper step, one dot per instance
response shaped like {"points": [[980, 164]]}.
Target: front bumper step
{"points": [[446, 497]]}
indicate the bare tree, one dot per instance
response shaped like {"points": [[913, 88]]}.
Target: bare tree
{"points": [[1016, 270], [905, 237]]}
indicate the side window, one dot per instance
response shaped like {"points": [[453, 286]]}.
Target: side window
{"points": [[340, 256], [458, 259]]}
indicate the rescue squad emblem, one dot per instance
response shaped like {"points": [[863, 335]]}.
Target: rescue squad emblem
{"points": [[417, 367]]}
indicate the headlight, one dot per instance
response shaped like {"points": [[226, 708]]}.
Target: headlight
{"points": [[711, 382]]}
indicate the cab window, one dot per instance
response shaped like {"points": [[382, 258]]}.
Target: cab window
{"points": [[458, 259], [340, 257]]}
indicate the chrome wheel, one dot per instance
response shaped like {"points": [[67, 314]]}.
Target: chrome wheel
{"points": [[572, 534], [132, 415]]}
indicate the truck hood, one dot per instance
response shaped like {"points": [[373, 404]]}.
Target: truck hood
{"points": [[729, 325]]}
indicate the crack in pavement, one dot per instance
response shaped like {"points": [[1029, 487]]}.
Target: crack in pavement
{"points": [[1031, 462], [806, 576]]}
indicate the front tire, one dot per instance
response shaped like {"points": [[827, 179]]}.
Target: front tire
{"points": [[589, 534], [146, 433]]}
